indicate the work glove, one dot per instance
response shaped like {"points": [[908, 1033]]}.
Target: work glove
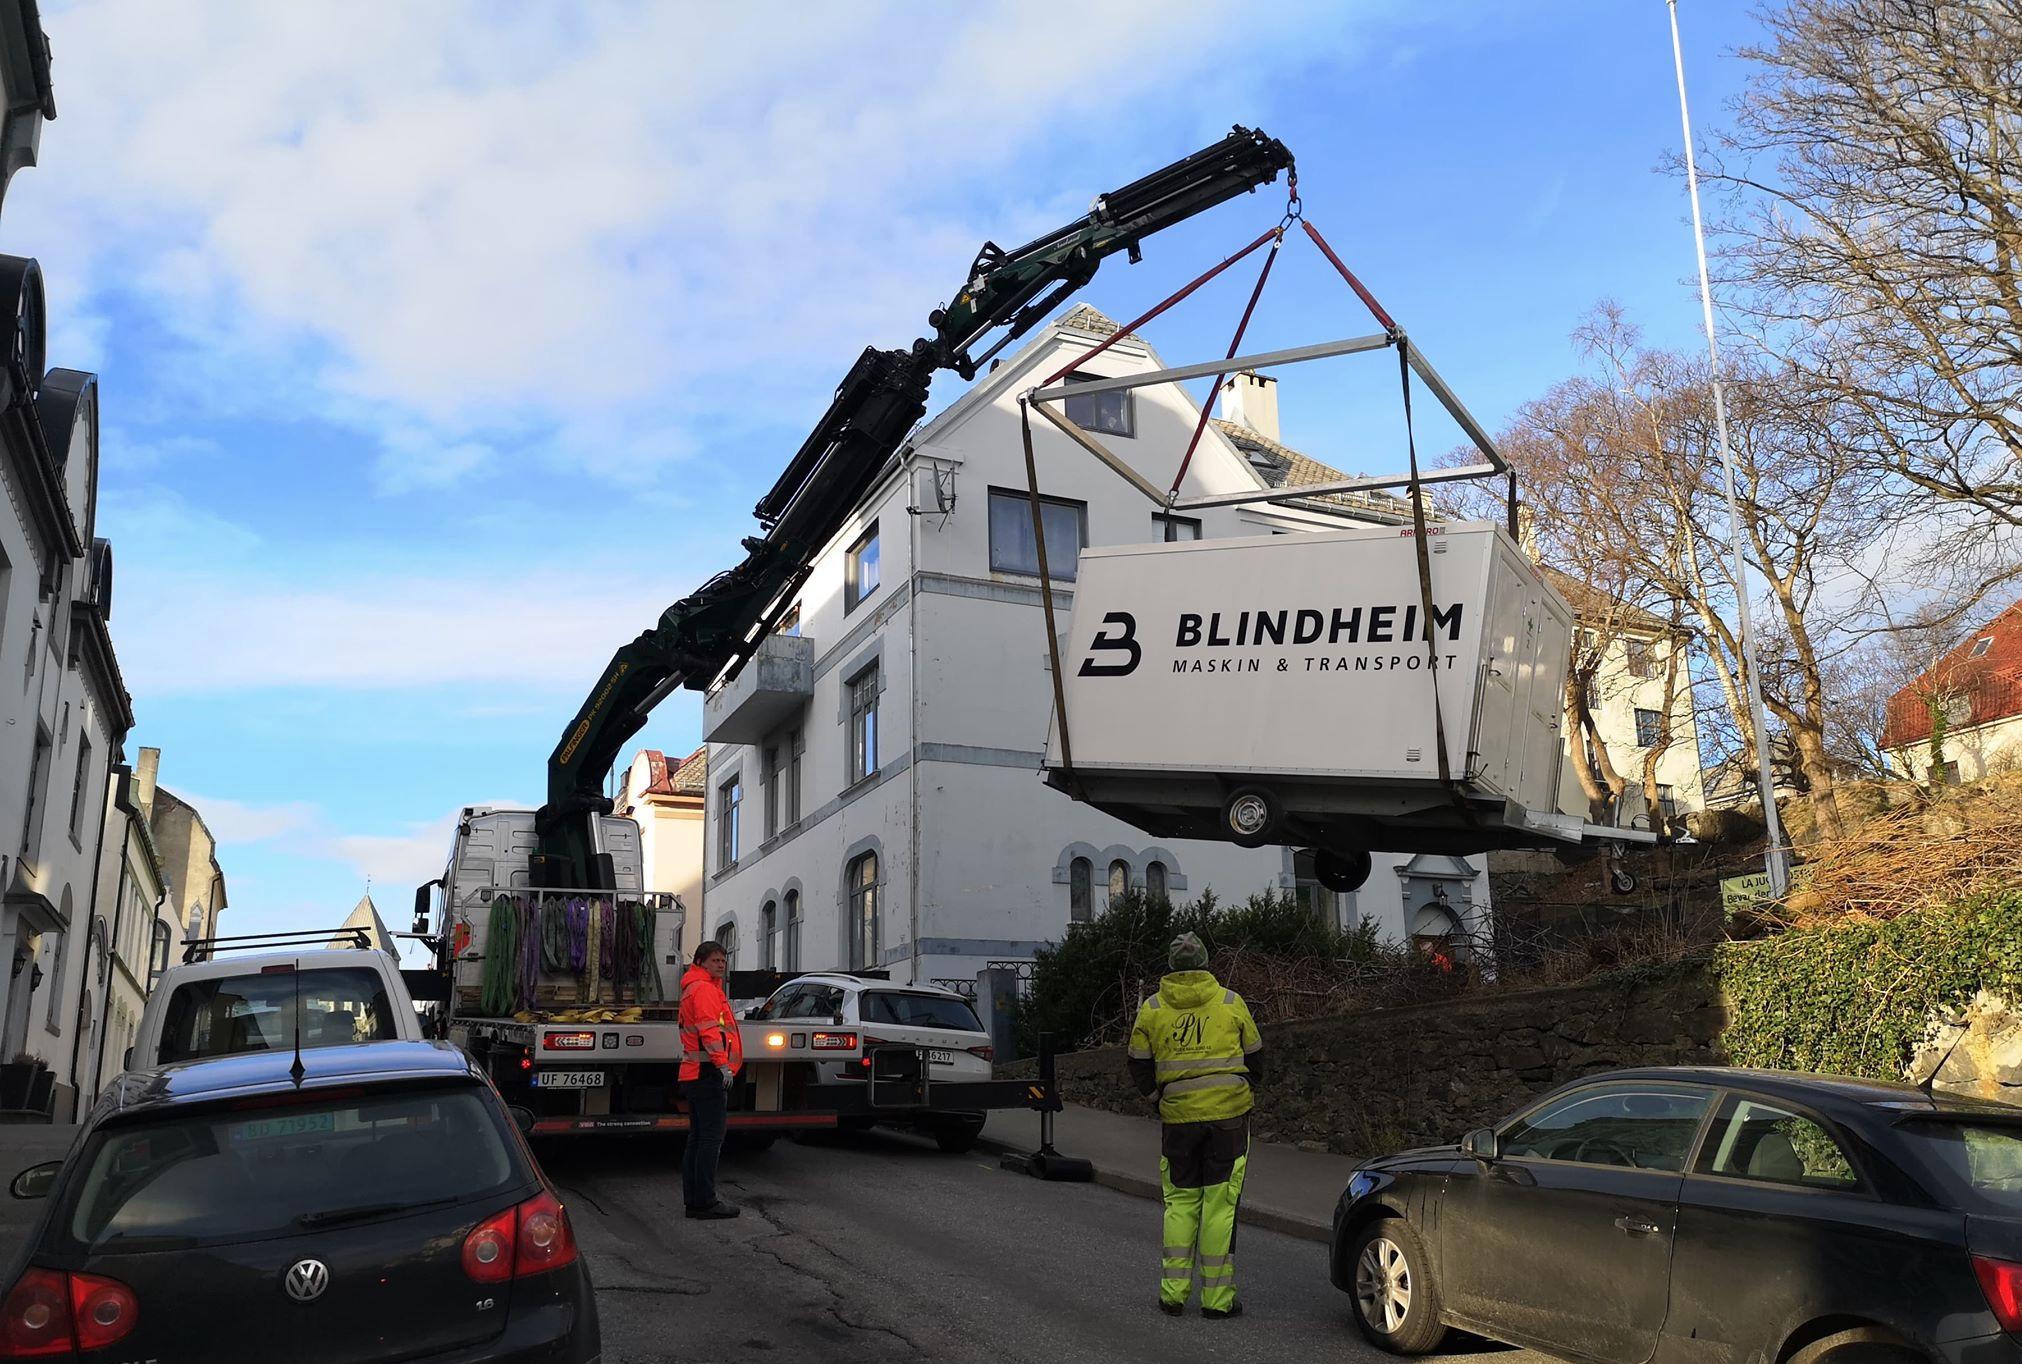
{"points": [[729, 1076]]}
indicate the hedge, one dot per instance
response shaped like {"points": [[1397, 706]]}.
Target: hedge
{"points": [[1858, 998]]}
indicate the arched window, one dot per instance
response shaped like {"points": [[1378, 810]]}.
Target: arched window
{"points": [[768, 928], [1119, 878], [1154, 880], [866, 948], [1080, 890], [726, 933], [790, 958], [158, 952]]}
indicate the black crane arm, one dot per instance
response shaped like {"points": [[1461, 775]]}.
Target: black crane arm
{"points": [[879, 401]]}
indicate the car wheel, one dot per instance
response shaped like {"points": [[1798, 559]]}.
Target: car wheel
{"points": [[1250, 816], [1861, 1345], [1396, 1301], [957, 1138]]}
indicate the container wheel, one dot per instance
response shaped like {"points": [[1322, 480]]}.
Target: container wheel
{"points": [[1341, 872], [1250, 816]]}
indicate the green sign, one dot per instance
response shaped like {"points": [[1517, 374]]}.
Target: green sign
{"points": [[1739, 892]]}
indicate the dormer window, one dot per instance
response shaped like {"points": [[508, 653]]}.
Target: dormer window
{"points": [[1981, 646]]}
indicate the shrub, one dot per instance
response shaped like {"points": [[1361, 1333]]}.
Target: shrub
{"points": [[1854, 997]]}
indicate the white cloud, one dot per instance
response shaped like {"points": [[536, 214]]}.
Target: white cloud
{"points": [[233, 821], [531, 227]]}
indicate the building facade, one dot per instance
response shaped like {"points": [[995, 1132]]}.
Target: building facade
{"points": [[141, 936], [874, 797], [666, 799], [196, 881]]}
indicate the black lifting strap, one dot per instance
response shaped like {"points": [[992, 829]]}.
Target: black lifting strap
{"points": [[1073, 779], [1424, 567]]}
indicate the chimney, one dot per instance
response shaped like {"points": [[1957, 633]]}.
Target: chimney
{"points": [[1251, 399], [144, 773]]}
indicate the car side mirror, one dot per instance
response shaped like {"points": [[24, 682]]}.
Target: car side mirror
{"points": [[1481, 1144], [36, 1181], [523, 1118]]}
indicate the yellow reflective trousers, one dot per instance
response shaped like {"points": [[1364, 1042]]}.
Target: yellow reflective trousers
{"points": [[1201, 1165]]}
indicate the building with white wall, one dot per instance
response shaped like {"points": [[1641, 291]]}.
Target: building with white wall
{"points": [[141, 935], [874, 791], [1976, 691], [665, 798]]}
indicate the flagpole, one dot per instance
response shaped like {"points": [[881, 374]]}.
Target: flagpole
{"points": [[1776, 859]]}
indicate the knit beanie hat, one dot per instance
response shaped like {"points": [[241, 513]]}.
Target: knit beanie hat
{"points": [[1188, 953]]}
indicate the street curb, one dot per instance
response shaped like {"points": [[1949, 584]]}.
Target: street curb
{"points": [[1140, 1187]]}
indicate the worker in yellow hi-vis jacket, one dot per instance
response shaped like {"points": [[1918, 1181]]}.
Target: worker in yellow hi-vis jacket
{"points": [[1196, 1047]]}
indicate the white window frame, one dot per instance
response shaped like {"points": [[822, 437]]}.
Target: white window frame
{"points": [[855, 588]]}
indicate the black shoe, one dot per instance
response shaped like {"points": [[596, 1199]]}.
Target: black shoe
{"points": [[1217, 1314], [1173, 1309], [715, 1211]]}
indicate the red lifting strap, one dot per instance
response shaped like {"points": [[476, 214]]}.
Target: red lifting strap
{"points": [[1368, 299], [1208, 407], [1179, 297]]}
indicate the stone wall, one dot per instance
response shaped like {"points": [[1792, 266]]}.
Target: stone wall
{"points": [[1366, 1083]]}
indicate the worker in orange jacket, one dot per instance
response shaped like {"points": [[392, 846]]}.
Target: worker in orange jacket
{"points": [[712, 1051]]}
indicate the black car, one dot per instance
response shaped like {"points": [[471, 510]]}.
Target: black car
{"points": [[1689, 1214], [383, 1207]]}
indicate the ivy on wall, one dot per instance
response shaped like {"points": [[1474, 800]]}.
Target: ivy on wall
{"points": [[1856, 998]]}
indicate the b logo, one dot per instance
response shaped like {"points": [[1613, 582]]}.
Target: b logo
{"points": [[1125, 642]]}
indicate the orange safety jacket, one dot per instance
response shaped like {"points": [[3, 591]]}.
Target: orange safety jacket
{"points": [[709, 1033]]}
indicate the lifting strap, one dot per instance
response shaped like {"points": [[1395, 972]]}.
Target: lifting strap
{"points": [[1424, 561], [1208, 407], [1173, 299], [1046, 600]]}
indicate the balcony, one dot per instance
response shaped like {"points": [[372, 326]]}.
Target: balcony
{"points": [[775, 684]]}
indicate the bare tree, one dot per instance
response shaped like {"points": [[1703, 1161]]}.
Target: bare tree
{"points": [[1875, 238]]}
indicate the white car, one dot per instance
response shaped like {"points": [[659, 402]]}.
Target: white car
{"points": [[939, 1021], [253, 1000]]}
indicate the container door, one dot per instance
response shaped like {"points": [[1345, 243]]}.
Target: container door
{"points": [[1548, 644], [1495, 718]]}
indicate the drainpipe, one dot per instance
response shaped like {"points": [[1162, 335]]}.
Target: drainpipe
{"points": [[913, 704]]}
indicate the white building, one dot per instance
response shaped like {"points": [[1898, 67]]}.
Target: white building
{"points": [[666, 800], [64, 713], [1627, 701], [874, 795]]}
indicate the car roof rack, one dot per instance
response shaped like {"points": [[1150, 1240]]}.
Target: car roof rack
{"points": [[203, 949]]}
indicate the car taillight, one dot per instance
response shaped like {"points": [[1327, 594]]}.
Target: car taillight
{"points": [[532, 1238], [102, 1310], [546, 1241], [488, 1250], [836, 1041], [49, 1313], [569, 1041], [2001, 1281], [986, 1052]]}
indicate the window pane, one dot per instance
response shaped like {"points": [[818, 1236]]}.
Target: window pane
{"points": [[919, 1011], [1119, 878], [1979, 1165], [791, 961], [1648, 1129], [1154, 880], [245, 1175], [860, 574], [1103, 413], [1178, 528], [1757, 1141], [1647, 728], [1080, 890], [229, 1014], [1012, 548]]}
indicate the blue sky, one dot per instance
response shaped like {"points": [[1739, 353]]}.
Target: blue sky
{"points": [[440, 352]]}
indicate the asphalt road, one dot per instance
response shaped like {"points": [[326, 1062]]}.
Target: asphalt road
{"points": [[878, 1247]]}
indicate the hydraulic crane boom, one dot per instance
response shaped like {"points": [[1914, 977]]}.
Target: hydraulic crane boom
{"points": [[880, 400]]}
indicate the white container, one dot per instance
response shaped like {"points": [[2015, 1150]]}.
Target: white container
{"points": [[1299, 664]]}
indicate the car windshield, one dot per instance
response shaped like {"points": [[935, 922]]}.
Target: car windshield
{"points": [[919, 1011], [256, 1012], [252, 1172], [1978, 1164]]}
